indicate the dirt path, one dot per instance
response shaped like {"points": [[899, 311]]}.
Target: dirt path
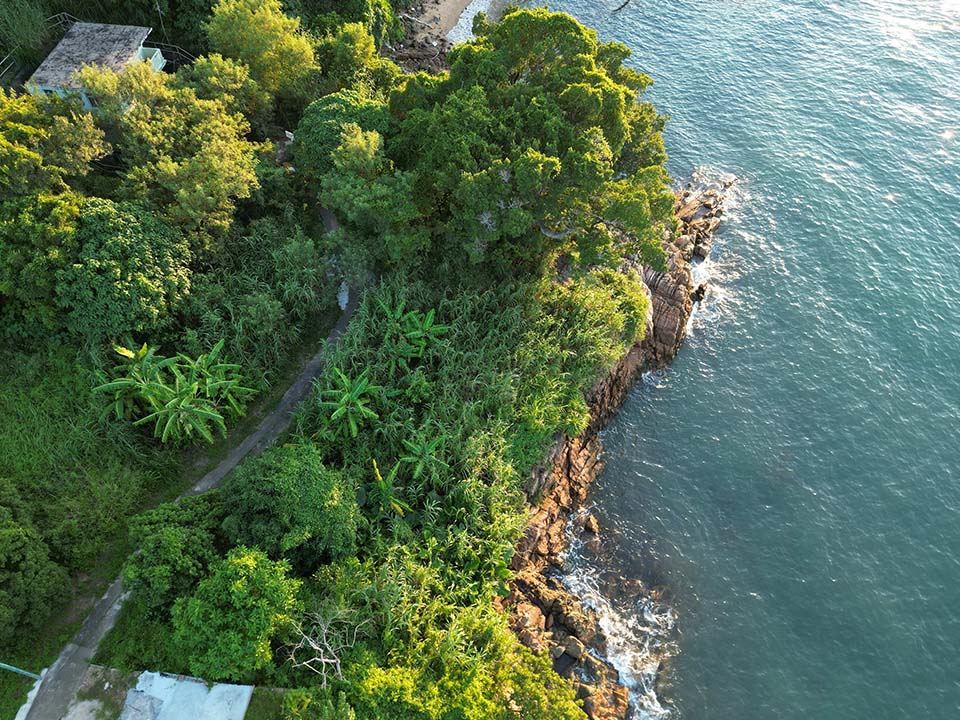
{"points": [[61, 682]]}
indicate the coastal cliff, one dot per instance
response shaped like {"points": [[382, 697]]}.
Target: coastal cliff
{"points": [[545, 615]]}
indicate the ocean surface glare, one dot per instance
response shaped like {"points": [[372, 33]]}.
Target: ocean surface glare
{"points": [[792, 479]]}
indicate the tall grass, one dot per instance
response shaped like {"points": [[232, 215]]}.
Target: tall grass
{"points": [[23, 29]]}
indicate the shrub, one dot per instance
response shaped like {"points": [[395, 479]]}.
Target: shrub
{"points": [[174, 545], [30, 582], [130, 274], [226, 626], [288, 504]]}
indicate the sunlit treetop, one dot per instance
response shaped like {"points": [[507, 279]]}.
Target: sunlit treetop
{"points": [[536, 143]]}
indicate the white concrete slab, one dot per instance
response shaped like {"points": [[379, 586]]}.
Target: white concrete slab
{"points": [[169, 697], [185, 702]]}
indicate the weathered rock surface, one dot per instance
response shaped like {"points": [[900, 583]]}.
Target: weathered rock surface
{"points": [[544, 614]]}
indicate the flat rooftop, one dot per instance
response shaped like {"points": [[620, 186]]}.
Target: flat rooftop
{"points": [[109, 46]]}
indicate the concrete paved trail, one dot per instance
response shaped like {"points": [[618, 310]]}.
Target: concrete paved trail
{"points": [[61, 682]]}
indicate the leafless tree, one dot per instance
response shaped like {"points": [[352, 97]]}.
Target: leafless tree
{"points": [[322, 639]]}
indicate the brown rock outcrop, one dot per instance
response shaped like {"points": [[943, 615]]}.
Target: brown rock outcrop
{"points": [[544, 614], [671, 305]]}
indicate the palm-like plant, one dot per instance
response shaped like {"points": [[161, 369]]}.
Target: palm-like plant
{"points": [[215, 380], [421, 330], [422, 454], [384, 493], [349, 403], [408, 334], [184, 398], [142, 379], [183, 415]]}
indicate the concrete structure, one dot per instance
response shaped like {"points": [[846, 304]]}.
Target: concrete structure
{"points": [[159, 696], [108, 46]]}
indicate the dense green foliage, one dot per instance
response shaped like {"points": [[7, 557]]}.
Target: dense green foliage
{"points": [[184, 156], [131, 272], [532, 147], [286, 503], [90, 268], [177, 544], [184, 398], [260, 35], [226, 625], [322, 125], [43, 144], [53, 447], [179, 234], [497, 212], [30, 582]]}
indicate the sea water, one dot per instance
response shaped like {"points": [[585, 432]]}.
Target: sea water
{"points": [[792, 481]]}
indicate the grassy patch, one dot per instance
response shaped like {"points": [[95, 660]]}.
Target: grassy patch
{"points": [[266, 704], [108, 688]]}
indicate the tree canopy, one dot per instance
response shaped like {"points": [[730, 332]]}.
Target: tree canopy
{"points": [[30, 582], [534, 144], [226, 626], [130, 274], [183, 155], [43, 143], [269, 42], [288, 504]]}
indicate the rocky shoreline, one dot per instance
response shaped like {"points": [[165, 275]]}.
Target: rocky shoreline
{"points": [[431, 28], [543, 613]]}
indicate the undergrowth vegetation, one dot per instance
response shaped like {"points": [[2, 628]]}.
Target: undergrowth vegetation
{"points": [[161, 258]]}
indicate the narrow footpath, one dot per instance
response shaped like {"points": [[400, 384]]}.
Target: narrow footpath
{"points": [[62, 680]]}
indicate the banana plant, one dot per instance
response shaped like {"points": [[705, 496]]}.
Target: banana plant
{"points": [[408, 334], [422, 454], [141, 385], [216, 380], [185, 415], [385, 495], [349, 403], [184, 398], [421, 330]]}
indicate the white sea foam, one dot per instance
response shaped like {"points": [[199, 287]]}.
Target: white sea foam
{"points": [[463, 30], [719, 268], [638, 634], [654, 378]]}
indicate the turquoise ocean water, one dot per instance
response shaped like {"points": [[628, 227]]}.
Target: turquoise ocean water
{"points": [[793, 479]]}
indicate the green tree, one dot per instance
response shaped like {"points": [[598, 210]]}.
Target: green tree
{"points": [[97, 269], [30, 582], [374, 201], [516, 152], [259, 34], [321, 128], [174, 546], [44, 143], [226, 626], [185, 156], [214, 77], [129, 276], [37, 243], [350, 59], [286, 503], [376, 15]]}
